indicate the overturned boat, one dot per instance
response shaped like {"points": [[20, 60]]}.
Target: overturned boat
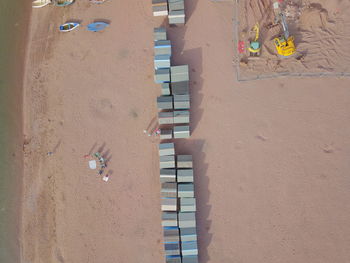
{"points": [[63, 2], [97, 26]]}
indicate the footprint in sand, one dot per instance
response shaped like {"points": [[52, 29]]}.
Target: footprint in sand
{"points": [[101, 108], [123, 53]]}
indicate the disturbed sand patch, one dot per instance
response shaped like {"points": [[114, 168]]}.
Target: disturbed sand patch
{"points": [[320, 30]]}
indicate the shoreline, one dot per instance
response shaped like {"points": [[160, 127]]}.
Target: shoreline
{"points": [[24, 75]]}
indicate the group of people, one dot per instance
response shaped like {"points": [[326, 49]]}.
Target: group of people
{"points": [[155, 133], [103, 164], [153, 128]]}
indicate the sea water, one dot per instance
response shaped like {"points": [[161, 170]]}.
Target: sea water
{"points": [[14, 17]]}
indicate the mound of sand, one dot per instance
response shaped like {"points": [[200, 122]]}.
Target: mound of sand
{"points": [[313, 18]]}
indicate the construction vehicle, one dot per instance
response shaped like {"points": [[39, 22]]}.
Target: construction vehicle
{"points": [[255, 46], [284, 43]]}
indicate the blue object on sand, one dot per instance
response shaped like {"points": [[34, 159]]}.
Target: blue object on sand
{"points": [[63, 2], [97, 26]]}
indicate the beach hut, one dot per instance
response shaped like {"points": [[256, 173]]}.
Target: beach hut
{"points": [[179, 73], [181, 117], [160, 7], [174, 5], [162, 47], [181, 132], [168, 204], [171, 234], [189, 248], [172, 249], [181, 102], [177, 17], [166, 117], [187, 219], [173, 259], [167, 161], [161, 61], [166, 149], [162, 75], [184, 161], [169, 219], [180, 88], [167, 175], [165, 102], [165, 88], [159, 33], [185, 175], [187, 204], [166, 134], [189, 259], [188, 234], [169, 190], [185, 190]]}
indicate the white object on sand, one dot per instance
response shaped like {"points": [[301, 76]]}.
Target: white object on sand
{"points": [[92, 164], [40, 3], [97, 1], [105, 178]]}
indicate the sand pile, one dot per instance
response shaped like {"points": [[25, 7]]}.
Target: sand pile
{"points": [[320, 29], [314, 18]]}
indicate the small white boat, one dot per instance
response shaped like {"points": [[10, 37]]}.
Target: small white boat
{"points": [[68, 26], [97, 1], [40, 3]]}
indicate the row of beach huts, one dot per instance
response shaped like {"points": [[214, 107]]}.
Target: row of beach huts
{"points": [[174, 9], [178, 202], [178, 205], [174, 102]]}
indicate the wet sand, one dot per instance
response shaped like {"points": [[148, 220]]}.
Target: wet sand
{"points": [[270, 157], [14, 16]]}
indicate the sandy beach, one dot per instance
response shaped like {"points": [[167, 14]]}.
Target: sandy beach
{"points": [[270, 157]]}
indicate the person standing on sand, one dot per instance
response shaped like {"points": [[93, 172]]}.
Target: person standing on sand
{"points": [[151, 126], [157, 132], [105, 178], [145, 132]]}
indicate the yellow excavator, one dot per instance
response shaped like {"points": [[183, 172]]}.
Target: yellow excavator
{"points": [[284, 43], [255, 46]]}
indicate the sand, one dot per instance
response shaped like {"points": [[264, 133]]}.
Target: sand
{"points": [[320, 29], [270, 157]]}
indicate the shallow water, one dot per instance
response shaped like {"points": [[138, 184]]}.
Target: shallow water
{"points": [[13, 28]]}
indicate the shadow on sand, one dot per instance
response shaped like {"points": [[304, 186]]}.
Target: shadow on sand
{"points": [[202, 194]]}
